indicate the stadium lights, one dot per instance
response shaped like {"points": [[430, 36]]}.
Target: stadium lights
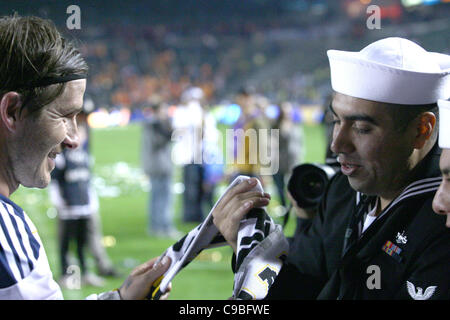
{"points": [[411, 3], [430, 2]]}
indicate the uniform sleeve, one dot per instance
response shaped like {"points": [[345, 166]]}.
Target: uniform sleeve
{"points": [[304, 273], [316, 245]]}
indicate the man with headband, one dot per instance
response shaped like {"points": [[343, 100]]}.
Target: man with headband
{"points": [[42, 82], [375, 235], [441, 202]]}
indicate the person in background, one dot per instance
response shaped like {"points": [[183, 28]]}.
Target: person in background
{"points": [[74, 198], [188, 151], [246, 142], [213, 160], [290, 147], [156, 158]]}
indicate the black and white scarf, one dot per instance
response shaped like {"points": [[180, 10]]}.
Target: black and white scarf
{"points": [[261, 250]]}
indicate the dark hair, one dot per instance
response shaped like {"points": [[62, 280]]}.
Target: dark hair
{"points": [[32, 50], [404, 114]]}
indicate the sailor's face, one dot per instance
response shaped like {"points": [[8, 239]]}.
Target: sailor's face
{"points": [[441, 201], [372, 153]]}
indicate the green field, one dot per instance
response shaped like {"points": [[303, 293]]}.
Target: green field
{"points": [[123, 203]]}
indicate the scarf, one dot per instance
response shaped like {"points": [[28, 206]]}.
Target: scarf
{"points": [[261, 251]]}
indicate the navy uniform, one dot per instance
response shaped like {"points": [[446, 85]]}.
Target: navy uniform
{"points": [[348, 251], [407, 243]]}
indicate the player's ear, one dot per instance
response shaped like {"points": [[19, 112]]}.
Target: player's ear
{"points": [[424, 129], [10, 105]]}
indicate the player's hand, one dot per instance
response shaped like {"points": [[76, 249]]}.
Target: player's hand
{"points": [[301, 212], [139, 282], [234, 205]]}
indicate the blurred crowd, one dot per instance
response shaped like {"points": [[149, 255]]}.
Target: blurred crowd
{"points": [[141, 52], [134, 66]]}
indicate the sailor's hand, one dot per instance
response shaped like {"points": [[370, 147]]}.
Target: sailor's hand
{"points": [[234, 205]]}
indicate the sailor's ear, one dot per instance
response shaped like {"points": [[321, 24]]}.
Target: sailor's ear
{"points": [[424, 129]]}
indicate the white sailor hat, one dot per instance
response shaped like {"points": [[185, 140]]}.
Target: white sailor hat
{"points": [[392, 70], [444, 123]]}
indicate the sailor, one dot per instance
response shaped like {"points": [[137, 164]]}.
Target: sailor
{"points": [[375, 235]]}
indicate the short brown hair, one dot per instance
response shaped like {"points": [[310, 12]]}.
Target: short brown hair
{"points": [[32, 49]]}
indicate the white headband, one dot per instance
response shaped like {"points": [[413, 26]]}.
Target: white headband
{"points": [[444, 124], [392, 70]]}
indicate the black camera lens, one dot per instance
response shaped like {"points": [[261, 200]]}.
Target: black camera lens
{"points": [[312, 185], [308, 182]]}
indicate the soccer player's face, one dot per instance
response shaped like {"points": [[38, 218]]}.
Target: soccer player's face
{"points": [[39, 139], [441, 201], [372, 153]]}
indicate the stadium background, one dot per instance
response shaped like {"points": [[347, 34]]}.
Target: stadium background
{"points": [[144, 50]]}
